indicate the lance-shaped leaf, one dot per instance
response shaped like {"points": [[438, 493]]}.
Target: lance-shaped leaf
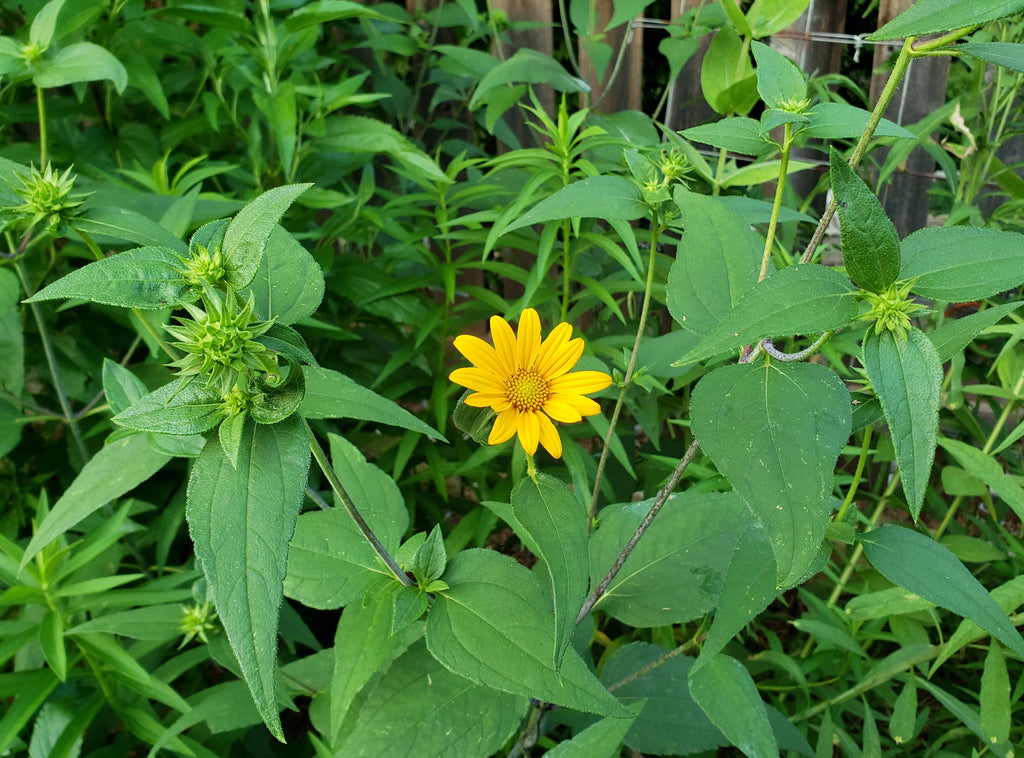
{"points": [[987, 468], [918, 563], [780, 83], [802, 299], [931, 16], [493, 626], [728, 696], [556, 524], [124, 224], [961, 263], [715, 265], [247, 233], [289, 283], [608, 197], [871, 246], [182, 406], [775, 431], [956, 334], [241, 518], [838, 120], [146, 278], [907, 377], [1009, 54], [740, 134]]}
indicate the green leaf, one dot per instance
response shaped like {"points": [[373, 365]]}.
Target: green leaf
{"points": [[920, 564], [994, 697], [330, 394], [775, 431], [465, 633], [967, 715], [768, 17], [987, 468], [736, 17], [359, 134], [556, 523], [956, 334], [930, 16], [602, 739], [127, 225], [12, 341], [961, 263], [739, 134], [804, 298], [154, 622], [41, 31], [121, 386], [907, 377], [420, 708], [1008, 54], [892, 601], [331, 564], [241, 518], [748, 586], [527, 66], [671, 723], [779, 82], [182, 406], [727, 78], [247, 233], [726, 693], [871, 246], [322, 11], [289, 284], [674, 574], [715, 265], [845, 121], [117, 468], [146, 278], [51, 640], [81, 62], [904, 713], [35, 687], [1008, 596], [607, 197]]}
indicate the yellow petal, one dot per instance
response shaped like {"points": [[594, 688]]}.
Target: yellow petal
{"points": [[549, 436], [563, 360], [477, 379], [504, 427], [527, 338], [580, 382], [504, 344], [528, 429], [479, 353], [584, 406], [559, 410], [551, 346], [488, 400]]}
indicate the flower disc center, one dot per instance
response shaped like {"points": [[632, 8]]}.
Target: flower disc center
{"points": [[527, 390]]}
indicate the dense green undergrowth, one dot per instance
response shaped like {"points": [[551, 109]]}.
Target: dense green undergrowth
{"points": [[343, 415]]}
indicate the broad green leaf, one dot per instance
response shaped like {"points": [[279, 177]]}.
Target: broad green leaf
{"points": [[289, 283], [726, 693], [128, 225], [527, 66], [330, 394], [41, 31], [779, 82], [907, 377], [961, 263], [117, 468], [241, 518], [739, 134], [775, 431], [330, 563], [182, 406], [748, 586], [842, 120], [871, 246], [967, 715], [602, 739], [608, 197], [994, 696], [363, 644], [804, 298], [988, 470], [420, 708], [322, 11], [918, 563], [247, 233], [956, 334], [1008, 54], [146, 278], [675, 572], [465, 633], [715, 265], [892, 601], [556, 523], [770, 16], [81, 62], [726, 76], [930, 16], [904, 713], [671, 723]]}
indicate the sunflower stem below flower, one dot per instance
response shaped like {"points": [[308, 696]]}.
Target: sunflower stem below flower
{"points": [[346, 499]]}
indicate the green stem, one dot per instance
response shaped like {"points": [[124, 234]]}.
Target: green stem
{"points": [[360, 522], [51, 362], [566, 265], [865, 449], [631, 367], [780, 188], [41, 106]]}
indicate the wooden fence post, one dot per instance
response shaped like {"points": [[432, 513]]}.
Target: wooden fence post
{"points": [[686, 104], [626, 90], [538, 38]]}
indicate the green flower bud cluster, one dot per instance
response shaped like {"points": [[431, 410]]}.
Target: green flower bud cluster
{"points": [[47, 196], [891, 310]]}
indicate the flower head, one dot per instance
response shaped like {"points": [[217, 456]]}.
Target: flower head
{"points": [[527, 381]]}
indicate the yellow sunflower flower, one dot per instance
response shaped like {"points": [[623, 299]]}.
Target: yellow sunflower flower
{"points": [[527, 382]]}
